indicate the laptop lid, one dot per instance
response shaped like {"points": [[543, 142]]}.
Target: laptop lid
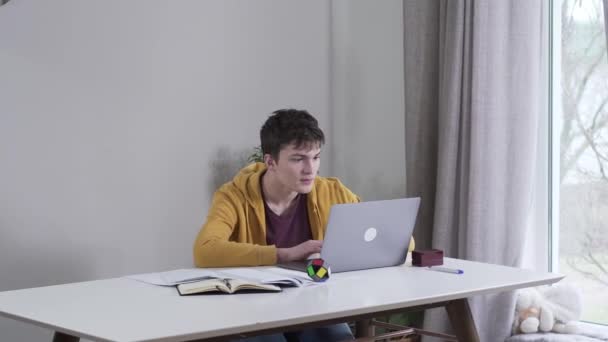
{"points": [[369, 234]]}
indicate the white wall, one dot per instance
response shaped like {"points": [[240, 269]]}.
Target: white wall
{"points": [[368, 122], [116, 117], [119, 119]]}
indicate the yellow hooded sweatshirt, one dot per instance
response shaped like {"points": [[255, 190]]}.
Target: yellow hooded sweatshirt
{"points": [[235, 231]]}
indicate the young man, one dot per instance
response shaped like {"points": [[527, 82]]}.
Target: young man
{"points": [[276, 211]]}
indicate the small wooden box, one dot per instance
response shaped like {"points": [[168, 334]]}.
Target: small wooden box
{"points": [[429, 257]]}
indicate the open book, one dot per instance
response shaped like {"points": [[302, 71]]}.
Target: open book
{"points": [[252, 276], [224, 285]]}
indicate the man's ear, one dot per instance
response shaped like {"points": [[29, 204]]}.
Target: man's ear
{"points": [[269, 161]]}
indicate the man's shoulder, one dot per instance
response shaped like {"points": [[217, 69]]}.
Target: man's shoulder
{"points": [[329, 183], [230, 190], [332, 187], [245, 186]]}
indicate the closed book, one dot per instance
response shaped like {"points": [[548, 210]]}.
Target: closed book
{"points": [[224, 285]]}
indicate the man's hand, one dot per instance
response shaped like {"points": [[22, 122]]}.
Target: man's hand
{"points": [[299, 252]]}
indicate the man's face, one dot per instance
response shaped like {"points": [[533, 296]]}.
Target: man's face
{"points": [[296, 168]]}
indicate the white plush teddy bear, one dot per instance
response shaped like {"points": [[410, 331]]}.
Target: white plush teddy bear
{"points": [[554, 308]]}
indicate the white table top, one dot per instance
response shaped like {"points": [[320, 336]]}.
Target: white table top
{"points": [[126, 310]]}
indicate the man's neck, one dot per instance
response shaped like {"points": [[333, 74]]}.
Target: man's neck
{"points": [[275, 194]]}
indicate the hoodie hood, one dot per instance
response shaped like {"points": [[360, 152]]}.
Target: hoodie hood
{"points": [[248, 181]]}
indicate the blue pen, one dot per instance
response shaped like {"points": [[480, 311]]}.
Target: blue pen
{"points": [[446, 269]]}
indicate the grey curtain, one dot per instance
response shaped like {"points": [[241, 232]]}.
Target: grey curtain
{"points": [[473, 73]]}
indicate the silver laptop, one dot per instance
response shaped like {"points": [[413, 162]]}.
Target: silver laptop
{"points": [[367, 234]]}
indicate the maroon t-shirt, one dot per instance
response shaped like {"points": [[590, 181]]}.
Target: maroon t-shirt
{"points": [[291, 228]]}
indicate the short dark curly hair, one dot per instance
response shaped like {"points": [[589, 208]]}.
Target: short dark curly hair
{"points": [[289, 126]]}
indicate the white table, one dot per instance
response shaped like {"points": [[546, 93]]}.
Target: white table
{"points": [[126, 310]]}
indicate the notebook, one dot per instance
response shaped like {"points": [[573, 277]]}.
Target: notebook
{"points": [[224, 285]]}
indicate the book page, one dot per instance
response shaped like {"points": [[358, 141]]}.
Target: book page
{"points": [[208, 285], [174, 277], [237, 285], [298, 275], [188, 275], [262, 275]]}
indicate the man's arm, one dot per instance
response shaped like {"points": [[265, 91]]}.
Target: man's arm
{"points": [[212, 247], [299, 252]]}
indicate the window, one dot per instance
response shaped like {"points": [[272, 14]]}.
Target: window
{"points": [[580, 151]]}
